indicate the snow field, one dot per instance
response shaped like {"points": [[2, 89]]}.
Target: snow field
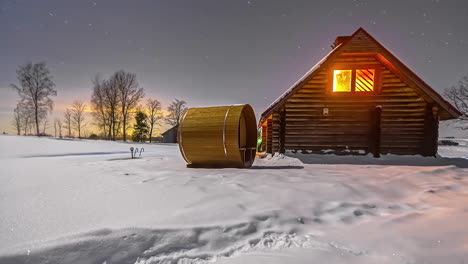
{"points": [[71, 201]]}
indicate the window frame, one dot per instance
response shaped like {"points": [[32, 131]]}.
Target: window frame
{"points": [[353, 68]]}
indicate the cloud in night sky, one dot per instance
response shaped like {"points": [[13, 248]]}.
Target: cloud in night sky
{"points": [[216, 52]]}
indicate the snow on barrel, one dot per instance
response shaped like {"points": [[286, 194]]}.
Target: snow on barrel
{"points": [[220, 136]]}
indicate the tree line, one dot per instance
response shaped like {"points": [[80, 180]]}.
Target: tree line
{"points": [[117, 104]]}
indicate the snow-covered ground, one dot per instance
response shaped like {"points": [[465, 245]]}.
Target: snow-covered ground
{"points": [[71, 201]]}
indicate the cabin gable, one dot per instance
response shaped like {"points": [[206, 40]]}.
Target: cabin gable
{"points": [[361, 44]]}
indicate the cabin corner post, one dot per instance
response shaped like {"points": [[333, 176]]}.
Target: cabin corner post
{"points": [[375, 131], [435, 112], [269, 144], [282, 131], [431, 130], [264, 136]]}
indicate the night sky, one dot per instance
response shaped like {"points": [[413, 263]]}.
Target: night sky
{"points": [[217, 52]]}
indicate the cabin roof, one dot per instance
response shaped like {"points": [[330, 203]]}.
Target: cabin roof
{"points": [[170, 130], [337, 46]]}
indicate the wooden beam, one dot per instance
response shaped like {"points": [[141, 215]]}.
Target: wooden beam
{"points": [[375, 135], [282, 130], [269, 136], [431, 131]]}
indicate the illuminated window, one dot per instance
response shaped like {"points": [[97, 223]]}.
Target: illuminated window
{"points": [[342, 80], [363, 80]]}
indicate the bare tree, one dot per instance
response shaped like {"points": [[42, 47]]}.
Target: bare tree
{"points": [[35, 89], [16, 122], [129, 94], [68, 121], [55, 128], [458, 95], [105, 104], [112, 103], [22, 117], [45, 126], [176, 109], [153, 107], [85, 133], [101, 112], [27, 118], [58, 127], [17, 119], [78, 115]]}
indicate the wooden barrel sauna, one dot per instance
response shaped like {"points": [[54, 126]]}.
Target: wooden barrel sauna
{"points": [[220, 136]]}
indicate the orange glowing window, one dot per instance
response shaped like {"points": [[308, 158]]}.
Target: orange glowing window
{"points": [[354, 80], [342, 80], [365, 80]]}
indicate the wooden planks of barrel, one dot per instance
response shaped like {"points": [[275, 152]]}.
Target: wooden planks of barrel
{"points": [[220, 136]]}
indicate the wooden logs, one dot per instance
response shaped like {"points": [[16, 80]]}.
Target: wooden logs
{"points": [[221, 136], [375, 131]]}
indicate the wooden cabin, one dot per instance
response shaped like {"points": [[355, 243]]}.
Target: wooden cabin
{"points": [[170, 136], [358, 99]]}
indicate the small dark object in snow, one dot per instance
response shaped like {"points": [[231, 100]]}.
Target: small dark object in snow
{"points": [[358, 212], [446, 142], [369, 206], [135, 151], [254, 241], [431, 191], [317, 220]]}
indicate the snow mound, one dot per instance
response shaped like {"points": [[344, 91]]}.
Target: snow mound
{"points": [[278, 161]]}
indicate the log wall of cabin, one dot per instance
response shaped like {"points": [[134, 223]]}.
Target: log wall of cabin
{"points": [[264, 136], [275, 135], [346, 127], [269, 136]]}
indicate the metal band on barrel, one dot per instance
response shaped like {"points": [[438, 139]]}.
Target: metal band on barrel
{"points": [[181, 121], [224, 132]]}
